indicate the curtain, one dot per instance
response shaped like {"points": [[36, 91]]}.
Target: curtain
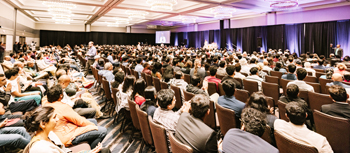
{"points": [[261, 32], [318, 36], [294, 38], [343, 36], [275, 37]]}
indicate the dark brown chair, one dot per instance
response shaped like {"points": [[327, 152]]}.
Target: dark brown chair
{"points": [[149, 80], [266, 71], [304, 95], [219, 76], [319, 70], [276, 73], [127, 71], [134, 118], [286, 145], [316, 86], [227, 118], [115, 100], [187, 78], [272, 79], [163, 85], [323, 83], [188, 96], [143, 75], [208, 73], [159, 136], [271, 90], [132, 72], [347, 83], [210, 120], [162, 70], [177, 146], [136, 74], [145, 129], [319, 74], [242, 95], [311, 79], [316, 100], [309, 73], [239, 80], [211, 88], [335, 129], [156, 82], [283, 84], [221, 90], [245, 74], [267, 135], [251, 86], [107, 93], [282, 110], [178, 96]]}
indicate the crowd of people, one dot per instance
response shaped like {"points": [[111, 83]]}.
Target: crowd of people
{"points": [[59, 119]]}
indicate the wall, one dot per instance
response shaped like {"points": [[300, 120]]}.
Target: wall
{"points": [[59, 27]]}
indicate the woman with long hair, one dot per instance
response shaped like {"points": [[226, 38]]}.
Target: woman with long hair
{"points": [[138, 93], [197, 70], [156, 70], [151, 102], [125, 93], [187, 68]]}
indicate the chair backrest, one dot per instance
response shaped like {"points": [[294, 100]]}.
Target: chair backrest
{"points": [[316, 100], [210, 120], [211, 88], [132, 72], [282, 110], [239, 80], [272, 79], [347, 83], [227, 118], [136, 74], [283, 84], [267, 135], [271, 90], [163, 85], [149, 80], [319, 74], [286, 145], [143, 75], [106, 89], [187, 95], [178, 97], [127, 70], [309, 73], [242, 95], [156, 82], [276, 73], [221, 90], [208, 73], [133, 114], [316, 86], [219, 76], [251, 86], [187, 78], [335, 129], [123, 68], [319, 70], [304, 95], [144, 125], [245, 74], [114, 95], [266, 71], [323, 83], [162, 70], [311, 79], [177, 146], [159, 136]]}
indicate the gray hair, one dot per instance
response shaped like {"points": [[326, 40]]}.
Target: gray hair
{"points": [[108, 65]]}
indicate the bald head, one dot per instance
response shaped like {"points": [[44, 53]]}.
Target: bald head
{"points": [[337, 77], [64, 81], [7, 58]]}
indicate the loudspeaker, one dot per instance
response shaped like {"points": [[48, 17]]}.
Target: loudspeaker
{"points": [[259, 42], [185, 42]]}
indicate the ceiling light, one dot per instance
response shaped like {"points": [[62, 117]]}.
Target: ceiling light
{"points": [[284, 4], [112, 25], [60, 11], [223, 12], [122, 21], [136, 14], [161, 5], [188, 19]]}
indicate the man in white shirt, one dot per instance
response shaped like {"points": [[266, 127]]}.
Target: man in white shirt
{"points": [[238, 74], [308, 68], [297, 131], [254, 76], [244, 66], [301, 74], [266, 66]]}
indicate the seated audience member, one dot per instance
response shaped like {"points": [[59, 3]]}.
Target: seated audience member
{"points": [[320, 65], [164, 114], [179, 81], [192, 131], [187, 68], [296, 129], [156, 70], [222, 69], [258, 101], [341, 68], [197, 70], [107, 72], [290, 75], [176, 66], [97, 58], [301, 74], [346, 77], [308, 68], [16, 120], [7, 64], [340, 107], [125, 94], [14, 137], [72, 128], [139, 67], [194, 86], [266, 66], [138, 94], [42, 122], [100, 65], [261, 73], [280, 68], [244, 66], [337, 80], [254, 76], [229, 100], [150, 105], [292, 95], [125, 61], [248, 138], [211, 78], [118, 80], [230, 70], [36, 75], [146, 69], [238, 73], [42, 66], [329, 74]]}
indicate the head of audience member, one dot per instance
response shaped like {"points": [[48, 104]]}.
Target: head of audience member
{"points": [[338, 46], [151, 94], [196, 80], [188, 64], [266, 63], [329, 73], [260, 66], [139, 60], [347, 77], [119, 77], [108, 66], [166, 99], [200, 106], [253, 121], [12, 74], [296, 113], [291, 68], [139, 88], [3, 80], [101, 62], [298, 62], [307, 65], [179, 75], [55, 93], [292, 91], [30, 64], [213, 70], [337, 77], [19, 64], [301, 74], [258, 101], [230, 70], [7, 58], [64, 81], [97, 57], [341, 66], [338, 93], [41, 120], [129, 83], [222, 64], [156, 67], [254, 71], [320, 62], [229, 87], [243, 62], [238, 67], [146, 66]]}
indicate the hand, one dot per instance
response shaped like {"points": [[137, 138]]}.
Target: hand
{"points": [[9, 87], [97, 148], [3, 123]]}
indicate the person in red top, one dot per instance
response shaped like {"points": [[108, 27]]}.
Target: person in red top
{"points": [[138, 93], [146, 69], [211, 78]]}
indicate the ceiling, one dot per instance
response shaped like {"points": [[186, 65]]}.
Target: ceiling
{"points": [[101, 12]]}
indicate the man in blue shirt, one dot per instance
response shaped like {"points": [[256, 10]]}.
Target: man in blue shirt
{"points": [[337, 80], [107, 72], [110, 59], [139, 67], [290, 75], [229, 100], [90, 57]]}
